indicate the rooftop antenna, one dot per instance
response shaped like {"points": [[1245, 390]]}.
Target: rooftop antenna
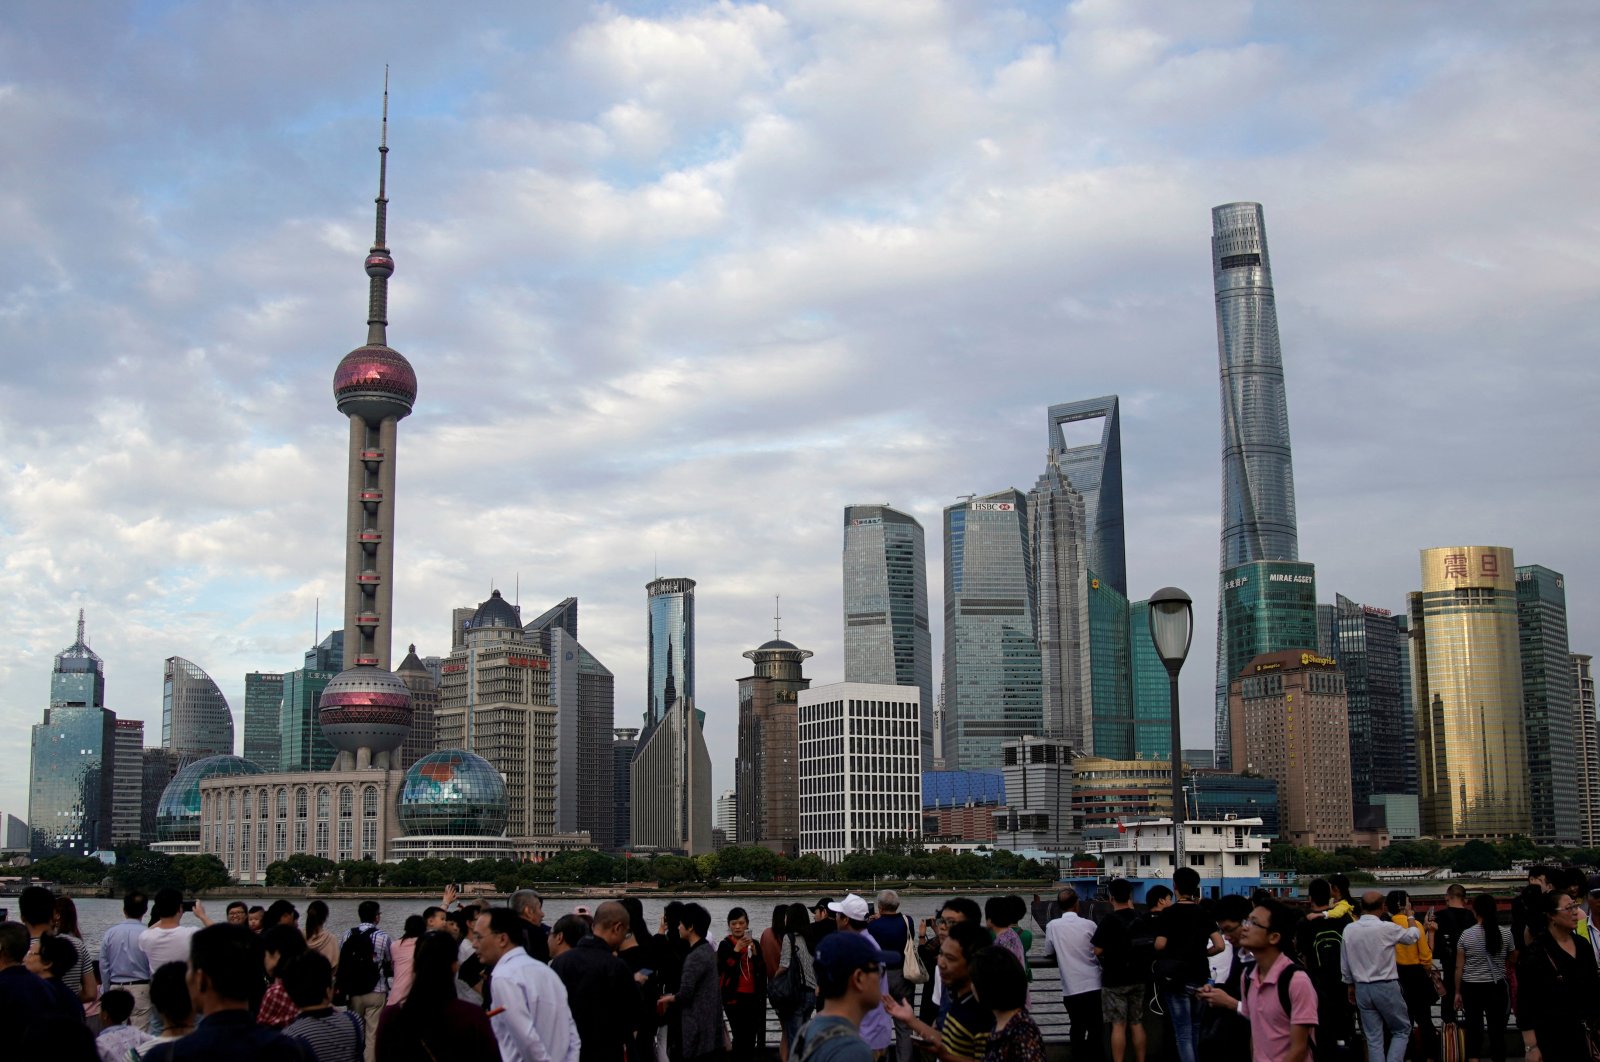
{"points": [[379, 263], [80, 627], [517, 599], [777, 617], [316, 622]]}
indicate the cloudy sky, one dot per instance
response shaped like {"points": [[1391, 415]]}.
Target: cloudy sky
{"points": [[679, 281]]}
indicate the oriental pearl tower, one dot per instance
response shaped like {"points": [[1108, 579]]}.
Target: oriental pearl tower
{"points": [[365, 711]]}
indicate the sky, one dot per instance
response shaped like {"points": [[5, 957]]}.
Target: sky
{"points": [[679, 281]]}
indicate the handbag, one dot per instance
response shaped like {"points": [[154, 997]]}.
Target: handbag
{"points": [[785, 990], [912, 972]]}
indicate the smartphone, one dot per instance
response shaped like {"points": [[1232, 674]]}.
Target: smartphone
{"points": [[188, 905], [456, 886], [647, 971]]}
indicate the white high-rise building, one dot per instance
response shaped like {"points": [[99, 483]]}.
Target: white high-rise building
{"points": [[1586, 746], [860, 767], [725, 816]]}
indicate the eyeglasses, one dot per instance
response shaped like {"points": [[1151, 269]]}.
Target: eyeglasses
{"points": [[1569, 907], [1251, 922]]}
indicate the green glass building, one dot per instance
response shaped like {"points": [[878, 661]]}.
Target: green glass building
{"points": [[1152, 694], [1267, 606], [301, 744], [1548, 717], [263, 704], [1111, 692]]}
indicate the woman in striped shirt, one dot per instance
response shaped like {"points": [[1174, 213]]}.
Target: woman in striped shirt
{"points": [[1481, 979]]}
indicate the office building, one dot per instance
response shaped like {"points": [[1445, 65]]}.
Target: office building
{"points": [[1548, 717], [959, 806], [195, 717], [302, 745], [584, 692], [1199, 759], [424, 687], [16, 840], [725, 819], [1402, 817], [158, 767], [1085, 443], [1586, 747], [860, 767], [127, 781], [72, 758], [495, 703], [1108, 794], [624, 743], [767, 770], [1367, 642], [1059, 540], [670, 634], [1258, 511], [1112, 725], [887, 640], [1466, 668], [1290, 724], [1267, 607], [992, 673], [670, 790], [1151, 689], [1037, 818], [263, 709], [1221, 795]]}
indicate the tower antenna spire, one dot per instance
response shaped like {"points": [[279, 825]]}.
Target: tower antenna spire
{"points": [[380, 264], [777, 616], [80, 626]]}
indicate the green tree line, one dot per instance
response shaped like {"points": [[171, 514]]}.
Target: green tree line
{"points": [[1472, 857]]}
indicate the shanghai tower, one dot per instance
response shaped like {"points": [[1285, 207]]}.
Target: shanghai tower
{"points": [[366, 710], [1258, 516]]}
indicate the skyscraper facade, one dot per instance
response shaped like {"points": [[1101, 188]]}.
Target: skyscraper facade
{"points": [[1059, 537], [1466, 671], [158, 767], [1586, 745], [1548, 718], [302, 746], [73, 758], [1258, 512], [263, 705], [1151, 690], [1289, 724], [195, 717], [670, 634], [1366, 641], [424, 687], [767, 770], [1112, 720], [670, 787], [992, 672], [624, 743], [1094, 468], [860, 768], [1266, 607], [887, 639], [127, 781], [584, 692], [495, 703]]}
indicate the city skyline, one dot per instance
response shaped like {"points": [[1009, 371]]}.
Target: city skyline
{"points": [[645, 287]]}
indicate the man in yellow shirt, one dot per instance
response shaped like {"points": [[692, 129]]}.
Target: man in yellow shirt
{"points": [[1414, 963]]}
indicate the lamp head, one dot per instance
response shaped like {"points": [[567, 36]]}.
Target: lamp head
{"points": [[1171, 625]]}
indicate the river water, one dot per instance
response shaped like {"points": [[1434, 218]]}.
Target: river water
{"points": [[96, 915]]}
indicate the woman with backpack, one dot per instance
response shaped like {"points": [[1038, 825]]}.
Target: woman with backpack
{"points": [[1480, 979], [794, 954]]}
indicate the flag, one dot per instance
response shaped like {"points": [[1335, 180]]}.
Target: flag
{"points": [[1121, 827]]}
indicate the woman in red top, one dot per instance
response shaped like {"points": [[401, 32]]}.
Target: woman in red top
{"points": [[743, 974], [280, 943]]}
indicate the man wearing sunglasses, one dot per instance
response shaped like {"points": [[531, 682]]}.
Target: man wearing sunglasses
{"points": [[1276, 1034]]}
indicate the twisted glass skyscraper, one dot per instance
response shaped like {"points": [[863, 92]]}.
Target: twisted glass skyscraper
{"points": [[1258, 518]]}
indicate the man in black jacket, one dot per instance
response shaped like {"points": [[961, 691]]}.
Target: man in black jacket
{"points": [[224, 973], [598, 983]]}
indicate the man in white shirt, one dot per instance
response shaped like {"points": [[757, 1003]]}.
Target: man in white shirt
{"points": [[1070, 941], [527, 1002], [1368, 965], [167, 940]]}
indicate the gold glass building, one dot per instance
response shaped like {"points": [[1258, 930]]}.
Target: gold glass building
{"points": [[1467, 675]]}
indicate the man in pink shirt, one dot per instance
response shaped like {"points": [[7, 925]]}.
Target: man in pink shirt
{"points": [[1276, 1034]]}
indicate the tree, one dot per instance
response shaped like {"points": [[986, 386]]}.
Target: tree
{"points": [[360, 873], [1478, 855], [281, 875], [143, 870], [200, 872], [311, 869], [70, 870]]}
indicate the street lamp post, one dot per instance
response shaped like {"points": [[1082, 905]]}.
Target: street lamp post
{"points": [[1171, 629]]}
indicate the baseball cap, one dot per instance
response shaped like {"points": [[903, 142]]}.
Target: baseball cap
{"points": [[1594, 885], [842, 954], [823, 904], [852, 907]]}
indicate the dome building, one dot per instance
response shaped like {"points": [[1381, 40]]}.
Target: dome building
{"points": [[179, 812], [452, 804]]}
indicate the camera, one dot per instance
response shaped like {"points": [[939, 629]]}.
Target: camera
{"points": [[188, 905]]}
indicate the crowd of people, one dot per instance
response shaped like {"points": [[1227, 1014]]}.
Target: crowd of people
{"points": [[1230, 978]]}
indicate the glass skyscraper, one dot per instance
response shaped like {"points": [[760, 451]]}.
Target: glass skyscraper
{"points": [[1466, 671], [1058, 535], [1151, 689], [302, 746], [671, 645], [1258, 515], [1367, 642], [1111, 729], [1548, 719], [263, 703], [886, 636], [1095, 471], [195, 717], [1267, 607], [992, 674], [73, 753]]}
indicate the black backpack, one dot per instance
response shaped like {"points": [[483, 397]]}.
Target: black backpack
{"points": [[358, 964]]}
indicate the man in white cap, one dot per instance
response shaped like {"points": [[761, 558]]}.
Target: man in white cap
{"points": [[851, 914]]}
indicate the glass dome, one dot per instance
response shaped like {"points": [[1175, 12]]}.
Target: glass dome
{"points": [[178, 813], [452, 793]]}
